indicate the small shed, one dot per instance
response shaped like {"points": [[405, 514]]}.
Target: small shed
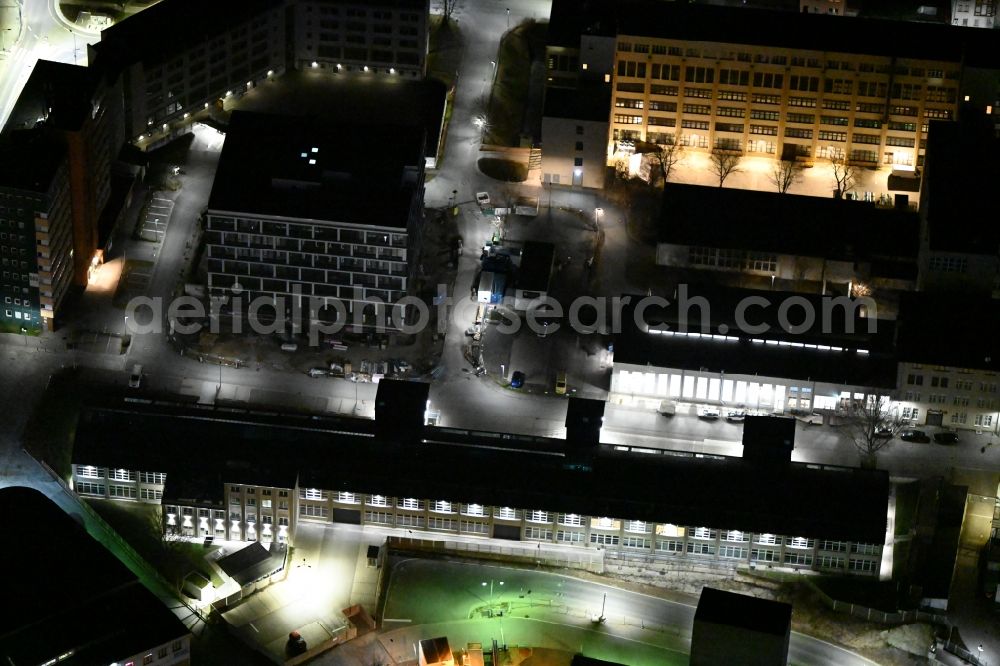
{"points": [[435, 652]]}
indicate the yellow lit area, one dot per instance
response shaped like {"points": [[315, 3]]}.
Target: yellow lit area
{"points": [[102, 278]]}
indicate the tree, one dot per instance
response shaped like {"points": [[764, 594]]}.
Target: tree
{"points": [[844, 173], [871, 423], [448, 8], [665, 158], [785, 174], [724, 164]]}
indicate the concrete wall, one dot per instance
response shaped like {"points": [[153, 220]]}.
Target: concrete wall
{"points": [[560, 138]]}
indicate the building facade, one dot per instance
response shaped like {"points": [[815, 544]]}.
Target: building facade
{"points": [[266, 514], [387, 37], [171, 69], [322, 218], [974, 13], [36, 230], [574, 137]]}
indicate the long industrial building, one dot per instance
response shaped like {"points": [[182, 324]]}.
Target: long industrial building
{"points": [[394, 473]]}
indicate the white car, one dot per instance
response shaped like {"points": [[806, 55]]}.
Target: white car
{"points": [[483, 198], [135, 379], [709, 412]]}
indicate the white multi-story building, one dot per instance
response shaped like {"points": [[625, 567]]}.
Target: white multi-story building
{"points": [[387, 37], [974, 13]]}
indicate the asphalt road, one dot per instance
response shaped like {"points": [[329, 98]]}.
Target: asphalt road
{"points": [[425, 592]]}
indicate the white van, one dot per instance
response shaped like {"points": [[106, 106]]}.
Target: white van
{"points": [[667, 407]]}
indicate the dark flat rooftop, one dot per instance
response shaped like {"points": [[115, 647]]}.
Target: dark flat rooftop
{"points": [[954, 330], [743, 611], [253, 562], [958, 204], [662, 488], [301, 167], [584, 103], [698, 215], [811, 32], [47, 153], [568, 19], [167, 27], [535, 271], [778, 352], [103, 615], [57, 91]]}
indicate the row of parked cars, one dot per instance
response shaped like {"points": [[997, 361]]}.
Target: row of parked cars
{"points": [[919, 436]]}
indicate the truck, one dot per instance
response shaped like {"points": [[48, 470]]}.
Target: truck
{"points": [[667, 407]]}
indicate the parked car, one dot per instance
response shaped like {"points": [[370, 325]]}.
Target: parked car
{"points": [[914, 436], [946, 437], [483, 198], [318, 372], [883, 433], [736, 416], [708, 412], [517, 379], [135, 379]]}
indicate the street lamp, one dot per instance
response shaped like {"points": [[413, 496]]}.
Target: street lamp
{"points": [[508, 18], [491, 591], [126, 325]]}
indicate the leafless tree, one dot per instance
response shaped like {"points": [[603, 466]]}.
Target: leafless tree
{"points": [[785, 174], [665, 158], [447, 8], [871, 424], [844, 173], [724, 164]]}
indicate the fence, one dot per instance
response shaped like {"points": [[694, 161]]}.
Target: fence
{"points": [[963, 653], [854, 610], [588, 560]]}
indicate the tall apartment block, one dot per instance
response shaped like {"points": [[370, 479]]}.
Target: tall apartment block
{"points": [[385, 37], [307, 214], [83, 109], [36, 229], [180, 56]]}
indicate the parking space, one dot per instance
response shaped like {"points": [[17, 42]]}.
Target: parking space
{"points": [[157, 217]]}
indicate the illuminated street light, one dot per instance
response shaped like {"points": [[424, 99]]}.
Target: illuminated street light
{"points": [[315, 64]]}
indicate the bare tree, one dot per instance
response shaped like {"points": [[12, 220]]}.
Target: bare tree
{"points": [[724, 164], [844, 173], [665, 158], [447, 8], [785, 174], [871, 424]]}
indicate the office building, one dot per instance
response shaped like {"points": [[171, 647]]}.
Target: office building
{"points": [[670, 508], [708, 347], [731, 628], [181, 56], [974, 13], [574, 136], [84, 109], [384, 37], [36, 229], [806, 86], [955, 384], [959, 238], [318, 216], [803, 243], [103, 613]]}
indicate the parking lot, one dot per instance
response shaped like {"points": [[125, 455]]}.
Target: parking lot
{"points": [[156, 219]]}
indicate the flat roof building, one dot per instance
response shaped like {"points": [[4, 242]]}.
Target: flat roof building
{"points": [[728, 510], [324, 215], [732, 628], [104, 614], [808, 243], [179, 57]]}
